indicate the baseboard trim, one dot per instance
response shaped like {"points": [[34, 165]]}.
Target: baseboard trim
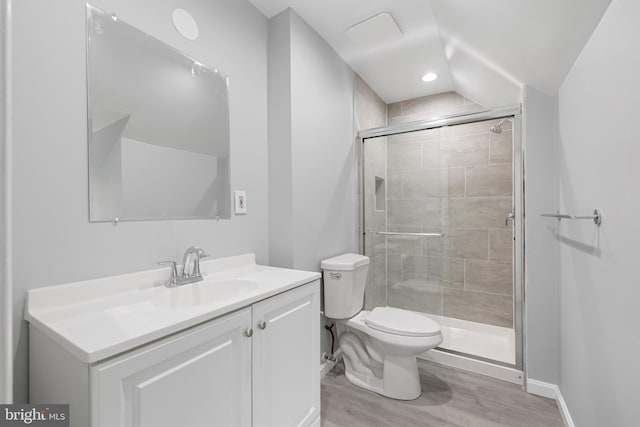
{"points": [[328, 365], [541, 388], [477, 366], [552, 391], [564, 410]]}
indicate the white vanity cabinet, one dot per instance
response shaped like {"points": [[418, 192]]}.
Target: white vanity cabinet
{"points": [[201, 377], [258, 365], [286, 345]]}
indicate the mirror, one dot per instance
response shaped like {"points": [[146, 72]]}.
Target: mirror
{"points": [[158, 128]]}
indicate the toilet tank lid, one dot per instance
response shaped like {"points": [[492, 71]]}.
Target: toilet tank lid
{"points": [[344, 262]]}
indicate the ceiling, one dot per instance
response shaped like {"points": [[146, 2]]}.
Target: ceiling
{"points": [[484, 50]]}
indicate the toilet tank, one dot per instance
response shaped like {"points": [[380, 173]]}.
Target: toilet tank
{"points": [[344, 279]]}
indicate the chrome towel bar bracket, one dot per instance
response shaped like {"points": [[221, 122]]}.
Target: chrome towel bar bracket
{"points": [[596, 217]]}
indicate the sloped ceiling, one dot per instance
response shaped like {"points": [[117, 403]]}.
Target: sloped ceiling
{"points": [[484, 50]]}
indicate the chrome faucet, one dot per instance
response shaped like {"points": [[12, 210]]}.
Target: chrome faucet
{"points": [[192, 255], [196, 254]]}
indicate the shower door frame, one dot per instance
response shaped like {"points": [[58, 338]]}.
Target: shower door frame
{"points": [[518, 201]]}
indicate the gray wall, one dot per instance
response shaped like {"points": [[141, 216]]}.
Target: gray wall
{"points": [[598, 154], [541, 254], [53, 240]]}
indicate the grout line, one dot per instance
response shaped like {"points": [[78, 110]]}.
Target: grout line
{"points": [[489, 150], [488, 245], [464, 272]]}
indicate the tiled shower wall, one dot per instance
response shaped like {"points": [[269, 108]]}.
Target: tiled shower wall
{"points": [[454, 180], [429, 107], [370, 112], [457, 181]]}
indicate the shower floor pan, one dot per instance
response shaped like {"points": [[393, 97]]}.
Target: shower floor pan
{"points": [[477, 339]]}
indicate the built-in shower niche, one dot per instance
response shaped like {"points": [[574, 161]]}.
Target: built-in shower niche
{"points": [[380, 194]]}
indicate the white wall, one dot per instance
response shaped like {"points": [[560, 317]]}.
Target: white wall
{"points": [[541, 266], [312, 207], [322, 138], [598, 152], [311, 163], [6, 320], [280, 143], [478, 78], [54, 242]]}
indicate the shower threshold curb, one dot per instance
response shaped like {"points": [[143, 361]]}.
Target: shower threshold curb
{"points": [[503, 373]]}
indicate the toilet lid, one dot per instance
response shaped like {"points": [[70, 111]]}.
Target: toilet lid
{"points": [[401, 322]]}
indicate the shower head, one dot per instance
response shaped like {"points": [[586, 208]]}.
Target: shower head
{"points": [[498, 128]]}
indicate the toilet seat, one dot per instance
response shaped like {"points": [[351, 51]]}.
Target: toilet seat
{"points": [[397, 321]]}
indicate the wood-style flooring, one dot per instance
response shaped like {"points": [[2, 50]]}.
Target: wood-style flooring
{"points": [[450, 397]]}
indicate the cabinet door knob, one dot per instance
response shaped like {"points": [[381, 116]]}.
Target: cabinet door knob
{"points": [[262, 324], [248, 332]]}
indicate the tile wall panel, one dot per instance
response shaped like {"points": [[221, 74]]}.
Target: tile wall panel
{"points": [[458, 181], [479, 307], [489, 180], [370, 112], [453, 180]]}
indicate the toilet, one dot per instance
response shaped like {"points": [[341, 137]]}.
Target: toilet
{"points": [[380, 346]]}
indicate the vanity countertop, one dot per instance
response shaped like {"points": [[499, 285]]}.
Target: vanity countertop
{"points": [[97, 319]]}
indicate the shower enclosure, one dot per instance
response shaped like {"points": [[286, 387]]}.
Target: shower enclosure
{"points": [[440, 224]]}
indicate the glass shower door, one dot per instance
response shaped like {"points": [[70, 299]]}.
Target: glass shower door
{"points": [[375, 220], [436, 209]]}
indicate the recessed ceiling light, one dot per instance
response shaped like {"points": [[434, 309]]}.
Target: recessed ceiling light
{"points": [[429, 77]]}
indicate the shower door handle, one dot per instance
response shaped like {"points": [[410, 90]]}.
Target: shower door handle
{"points": [[510, 215]]}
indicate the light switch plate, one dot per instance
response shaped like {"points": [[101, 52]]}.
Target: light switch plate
{"points": [[241, 202]]}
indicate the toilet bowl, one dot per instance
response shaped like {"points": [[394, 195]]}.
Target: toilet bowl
{"points": [[379, 346], [382, 358]]}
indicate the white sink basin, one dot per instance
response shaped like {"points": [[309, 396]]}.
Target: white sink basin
{"points": [[97, 319], [205, 292]]}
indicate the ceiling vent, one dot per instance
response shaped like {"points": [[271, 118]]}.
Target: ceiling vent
{"points": [[378, 29]]}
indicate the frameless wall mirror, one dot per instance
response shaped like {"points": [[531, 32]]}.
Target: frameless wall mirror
{"points": [[158, 127]]}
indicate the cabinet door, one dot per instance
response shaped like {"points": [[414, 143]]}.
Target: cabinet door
{"points": [[286, 359], [198, 378]]}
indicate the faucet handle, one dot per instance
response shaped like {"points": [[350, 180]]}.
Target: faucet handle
{"points": [[174, 272]]}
